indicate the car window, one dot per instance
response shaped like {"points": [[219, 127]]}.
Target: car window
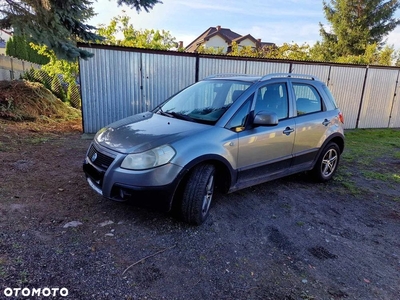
{"points": [[234, 92], [332, 103], [238, 121], [273, 97], [308, 99], [205, 101]]}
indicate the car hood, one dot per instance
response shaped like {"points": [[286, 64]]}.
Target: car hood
{"points": [[145, 131]]}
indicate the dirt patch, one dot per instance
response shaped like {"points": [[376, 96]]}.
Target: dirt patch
{"points": [[287, 239]]}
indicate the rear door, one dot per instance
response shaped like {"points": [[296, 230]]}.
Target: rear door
{"points": [[312, 123]]}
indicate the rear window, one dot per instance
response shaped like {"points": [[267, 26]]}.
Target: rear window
{"points": [[331, 101]]}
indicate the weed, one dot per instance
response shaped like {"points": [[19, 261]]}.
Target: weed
{"points": [[352, 188], [38, 140], [3, 273], [23, 277], [366, 148], [396, 177], [385, 177]]}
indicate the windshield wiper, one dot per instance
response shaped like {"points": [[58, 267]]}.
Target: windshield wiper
{"points": [[181, 116], [175, 115]]}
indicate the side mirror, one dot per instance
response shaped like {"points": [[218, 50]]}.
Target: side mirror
{"points": [[265, 118]]}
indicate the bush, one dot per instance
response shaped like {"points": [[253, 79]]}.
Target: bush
{"points": [[74, 95], [43, 77], [57, 89]]}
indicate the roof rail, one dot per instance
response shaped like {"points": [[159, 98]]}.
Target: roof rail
{"points": [[225, 75], [280, 75]]}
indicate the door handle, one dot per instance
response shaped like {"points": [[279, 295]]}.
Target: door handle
{"points": [[326, 122], [288, 130]]}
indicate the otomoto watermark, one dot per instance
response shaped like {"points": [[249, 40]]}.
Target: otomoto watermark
{"points": [[35, 292]]}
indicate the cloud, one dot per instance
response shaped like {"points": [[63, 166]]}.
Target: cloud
{"points": [[393, 39]]}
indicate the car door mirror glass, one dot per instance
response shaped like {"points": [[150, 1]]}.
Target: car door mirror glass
{"points": [[266, 118]]}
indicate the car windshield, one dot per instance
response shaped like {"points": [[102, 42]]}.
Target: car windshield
{"points": [[205, 101]]}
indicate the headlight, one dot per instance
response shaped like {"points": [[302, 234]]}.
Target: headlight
{"points": [[152, 158]]}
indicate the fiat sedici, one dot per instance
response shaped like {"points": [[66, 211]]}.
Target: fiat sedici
{"points": [[227, 132]]}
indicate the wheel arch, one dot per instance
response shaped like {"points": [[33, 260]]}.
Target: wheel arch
{"points": [[224, 179], [336, 138], [226, 175]]}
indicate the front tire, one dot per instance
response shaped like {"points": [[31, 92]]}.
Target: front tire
{"points": [[198, 194], [327, 163]]}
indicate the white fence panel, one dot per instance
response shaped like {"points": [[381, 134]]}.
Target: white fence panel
{"points": [[211, 66], [262, 68], [110, 87], [346, 85], [118, 82], [395, 112], [380, 87], [163, 76], [320, 71]]}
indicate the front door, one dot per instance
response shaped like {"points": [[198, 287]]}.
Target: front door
{"points": [[266, 151]]}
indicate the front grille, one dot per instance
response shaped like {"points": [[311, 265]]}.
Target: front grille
{"points": [[99, 159]]}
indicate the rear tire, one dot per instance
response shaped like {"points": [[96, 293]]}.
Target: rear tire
{"points": [[327, 163], [198, 194]]}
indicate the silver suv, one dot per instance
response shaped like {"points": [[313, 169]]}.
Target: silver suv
{"points": [[227, 131]]}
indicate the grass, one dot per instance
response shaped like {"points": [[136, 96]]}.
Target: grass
{"points": [[370, 155], [364, 146]]}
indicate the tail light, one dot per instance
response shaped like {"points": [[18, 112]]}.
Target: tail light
{"points": [[341, 118]]}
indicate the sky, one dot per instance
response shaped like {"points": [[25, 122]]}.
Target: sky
{"points": [[275, 21]]}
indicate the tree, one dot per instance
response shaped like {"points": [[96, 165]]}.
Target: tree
{"points": [[355, 24], [58, 24], [68, 69], [288, 51], [131, 37], [18, 47]]}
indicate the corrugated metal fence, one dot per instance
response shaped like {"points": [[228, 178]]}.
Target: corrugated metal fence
{"points": [[12, 68], [118, 82]]}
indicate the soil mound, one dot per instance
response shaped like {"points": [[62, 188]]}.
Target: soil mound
{"points": [[22, 100]]}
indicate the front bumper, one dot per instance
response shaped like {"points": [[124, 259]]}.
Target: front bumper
{"points": [[152, 188]]}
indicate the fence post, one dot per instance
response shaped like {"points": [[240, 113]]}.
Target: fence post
{"points": [[329, 76], [12, 69], [362, 96], [197, 68], [394, 99]]}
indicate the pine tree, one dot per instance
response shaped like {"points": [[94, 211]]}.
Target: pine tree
{"points": [[58, 24], [356, 24], [18, 47]]}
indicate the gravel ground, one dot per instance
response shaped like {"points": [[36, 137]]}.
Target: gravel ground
{"points": [[286, 239]]}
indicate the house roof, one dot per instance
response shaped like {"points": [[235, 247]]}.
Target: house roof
{"points": [[8, 32], [248, 36], [225, 33], [4, 36]]}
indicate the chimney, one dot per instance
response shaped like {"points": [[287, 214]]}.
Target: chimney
{"points": [[180, 46], [218, 27]]}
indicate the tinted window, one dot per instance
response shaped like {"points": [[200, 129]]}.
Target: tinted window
{"points": [[273, 97], [307, 99]]}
